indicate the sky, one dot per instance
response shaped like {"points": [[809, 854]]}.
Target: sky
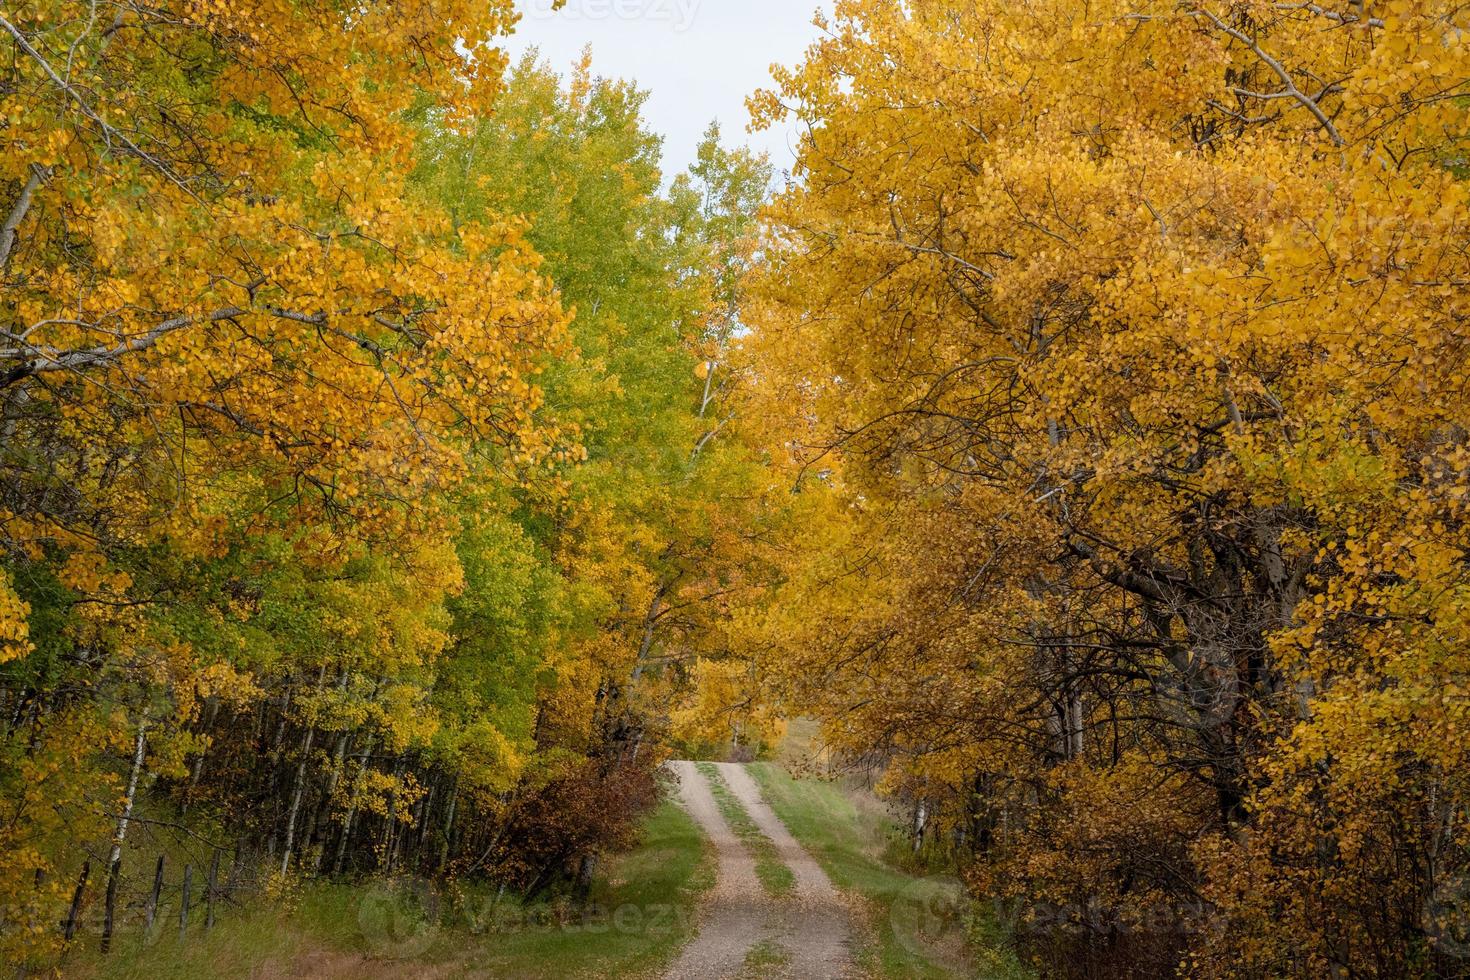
{"points": [[698, 58]]}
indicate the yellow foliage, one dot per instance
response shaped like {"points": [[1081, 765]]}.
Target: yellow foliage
{"points": [[14, 630], [1126, 344]]}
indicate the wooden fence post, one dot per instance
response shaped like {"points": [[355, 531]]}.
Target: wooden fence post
{"points": [[70, 929], [150, 911], [110, 907], [209, 891], [184, 902]]}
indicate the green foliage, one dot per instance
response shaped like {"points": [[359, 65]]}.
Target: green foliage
{"points": [[377, 588]]}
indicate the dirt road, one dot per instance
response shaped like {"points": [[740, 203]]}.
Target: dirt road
{"points": [[816, 931], [808, 930]]}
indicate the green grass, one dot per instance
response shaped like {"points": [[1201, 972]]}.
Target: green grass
{"points": [[848, 841], [765, 960], [642, 910], [259, 938], [655, 890], [775, 877]]}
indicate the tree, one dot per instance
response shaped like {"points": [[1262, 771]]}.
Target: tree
{"points": [[244, 365], [1124, 346]]}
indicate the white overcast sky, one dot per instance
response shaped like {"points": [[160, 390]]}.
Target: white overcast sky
{"points": [[699, 59]]}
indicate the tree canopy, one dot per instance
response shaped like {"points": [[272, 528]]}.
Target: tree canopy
{"points": [[1124, 348], [397, 467]]}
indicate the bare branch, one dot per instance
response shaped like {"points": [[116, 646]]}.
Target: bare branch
{"points": [[49, 359], [18, 213], [1331, 15], [1290, 89], [43, 359]]}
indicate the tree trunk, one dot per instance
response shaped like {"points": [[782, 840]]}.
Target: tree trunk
{"points": [[448, 827], [389, 842], [75, 912], [334, 778], [114, 858], [196, 771], [296, 800], [586, 870], [351, 814]]}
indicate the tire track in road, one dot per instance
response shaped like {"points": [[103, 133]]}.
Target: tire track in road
{"points": [[736, 915], [816, 930]]}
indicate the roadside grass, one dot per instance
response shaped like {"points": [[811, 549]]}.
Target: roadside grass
{"points": [[775, 877], [849, 841], [647, 911], [262, 938], [641, 911]]}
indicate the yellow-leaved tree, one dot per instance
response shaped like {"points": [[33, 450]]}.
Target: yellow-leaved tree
{"points": [[244, 361], [1126, 345]]}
